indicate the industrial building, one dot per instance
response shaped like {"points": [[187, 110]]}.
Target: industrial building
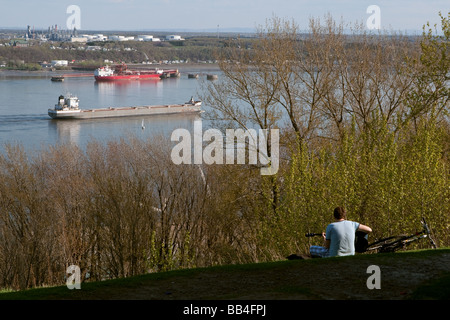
{"points": [[174, 38], [53, 33]]}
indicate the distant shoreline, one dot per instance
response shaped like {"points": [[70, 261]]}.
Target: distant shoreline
{"points": [[182, 68]]}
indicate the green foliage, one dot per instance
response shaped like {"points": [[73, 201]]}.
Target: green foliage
{"points": [[161, 256], [383, 112], [386, 180], [431, 70], [17, 65]]}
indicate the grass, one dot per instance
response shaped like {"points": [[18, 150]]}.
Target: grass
{"points": [[273, 280], [90, 288], [438, 289]]}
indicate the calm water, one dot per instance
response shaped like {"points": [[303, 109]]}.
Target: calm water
{"points": [[25, 98]]}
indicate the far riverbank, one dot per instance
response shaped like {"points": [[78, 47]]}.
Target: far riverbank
{"points": [[182, 68]]}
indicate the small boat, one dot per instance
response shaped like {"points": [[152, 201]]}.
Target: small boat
{"points": [[212, 77], [193, 76], [167, 75], [57, 79], [68, 108]]}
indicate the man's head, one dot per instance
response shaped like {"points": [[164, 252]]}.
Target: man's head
{"points": [[340, 213]]}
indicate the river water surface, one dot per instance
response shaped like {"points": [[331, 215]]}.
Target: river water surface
{"points": [[25, 98]]}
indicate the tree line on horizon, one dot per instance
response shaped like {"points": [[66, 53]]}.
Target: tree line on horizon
{"points": [[195, 49]]}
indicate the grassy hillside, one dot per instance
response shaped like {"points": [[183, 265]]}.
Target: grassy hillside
{"points": [[423, 274]]}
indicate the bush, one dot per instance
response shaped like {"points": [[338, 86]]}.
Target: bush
{"points": [[385, 180]]}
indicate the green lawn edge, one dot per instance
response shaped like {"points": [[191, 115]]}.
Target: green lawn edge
{"points": [[435, 289]]}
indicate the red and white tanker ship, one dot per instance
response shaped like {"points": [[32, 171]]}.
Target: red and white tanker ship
{"points": [[121, 72]]}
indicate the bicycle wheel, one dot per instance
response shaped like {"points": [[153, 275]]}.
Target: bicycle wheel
{"points": [[433, 243], [388, 244], [392, 247]]}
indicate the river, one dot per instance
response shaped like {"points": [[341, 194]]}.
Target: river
{"points": [[26, 96]]}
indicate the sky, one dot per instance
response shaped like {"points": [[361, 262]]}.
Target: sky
{"points": [[221, 15]]}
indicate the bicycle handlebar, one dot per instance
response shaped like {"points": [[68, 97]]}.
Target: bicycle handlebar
{"points": [[427, 230], [312, 234], [425, 226]]}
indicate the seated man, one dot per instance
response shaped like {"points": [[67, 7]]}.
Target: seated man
{"points": [[339, 238]]}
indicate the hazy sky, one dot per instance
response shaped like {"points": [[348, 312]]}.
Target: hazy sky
{"points": [[208, 14]]}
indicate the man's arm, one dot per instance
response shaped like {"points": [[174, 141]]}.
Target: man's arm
{"points": [[326, 242], [364, 228]]}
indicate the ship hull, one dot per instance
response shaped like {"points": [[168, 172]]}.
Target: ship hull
{"points": [[127, 77], [126, 111], [135, 75]]}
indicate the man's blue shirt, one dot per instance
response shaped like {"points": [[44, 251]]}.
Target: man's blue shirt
{"points": [[342, 238]]}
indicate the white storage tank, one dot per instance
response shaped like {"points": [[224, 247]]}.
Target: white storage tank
{"points": [[60, 63], [173, 37]]}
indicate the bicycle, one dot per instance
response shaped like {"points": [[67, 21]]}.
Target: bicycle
{"points": [[389, 244], [394, 243]]}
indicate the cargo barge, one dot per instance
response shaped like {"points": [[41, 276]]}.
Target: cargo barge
{"points": [[68, 108], [121, 72]]}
